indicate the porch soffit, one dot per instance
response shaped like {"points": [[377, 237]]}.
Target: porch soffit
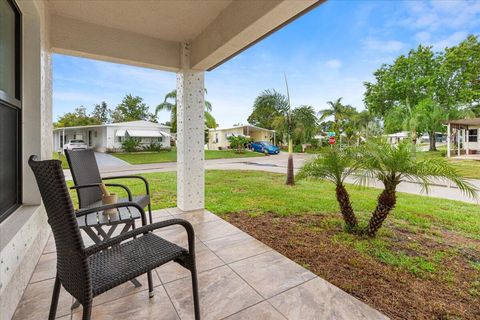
{"points": [[149, 33]]}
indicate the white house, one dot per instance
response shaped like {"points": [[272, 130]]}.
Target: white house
{"points": [[109, 137], [462, 137], [396, 137], [218, 137]]}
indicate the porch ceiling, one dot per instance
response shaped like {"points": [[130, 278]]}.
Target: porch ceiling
{"points": [[149, 33]]}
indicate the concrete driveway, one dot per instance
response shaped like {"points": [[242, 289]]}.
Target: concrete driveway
{"points": [[107, 161]]}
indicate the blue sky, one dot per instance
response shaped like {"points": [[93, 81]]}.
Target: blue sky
{"points": [[326, 54]]}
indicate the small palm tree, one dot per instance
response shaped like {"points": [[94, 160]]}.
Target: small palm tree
{"points": [[170, 104], [335, 165], [394, 164]]}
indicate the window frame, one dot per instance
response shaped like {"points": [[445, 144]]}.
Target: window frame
{"points": [[470, 136], [15, 102]]}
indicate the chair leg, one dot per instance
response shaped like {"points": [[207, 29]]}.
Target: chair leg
{"points": [[196, 302], [150, 212], [150, 284], [87, 311], [55, 295]]}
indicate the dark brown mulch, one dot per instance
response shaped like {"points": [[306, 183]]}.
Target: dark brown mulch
{"points": [[395, 292]]}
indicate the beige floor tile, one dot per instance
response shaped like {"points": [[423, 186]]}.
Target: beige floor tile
{"points": [[50, 246], [222, 293], [263, 310], [236, 247], [196, 217], [46, 268], [319, 299], [205, 260], [271, 273], [178, 236], [135, 306], [35, 303], [126, 289], [215, 229]]}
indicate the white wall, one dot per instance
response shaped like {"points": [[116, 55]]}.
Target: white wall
{"points": [[24, 233]]}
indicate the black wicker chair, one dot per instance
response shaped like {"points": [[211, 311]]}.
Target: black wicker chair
{"points": [[88, 272], [87, 179]]}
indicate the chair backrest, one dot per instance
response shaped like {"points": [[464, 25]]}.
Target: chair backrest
{"points": [[72, 265], [84, 169]]}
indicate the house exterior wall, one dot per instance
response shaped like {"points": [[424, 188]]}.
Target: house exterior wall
{"points": [[24, 233], [103, 138], [473, 145], [222, 142]]}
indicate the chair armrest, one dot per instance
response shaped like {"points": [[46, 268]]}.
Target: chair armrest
{"points": [[145, 229], [86, 211], [97, 185], [145, 181]]}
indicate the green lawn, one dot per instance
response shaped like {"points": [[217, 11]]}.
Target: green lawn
{"points": [[429, 243], [261, 192], [466, 168], [62, 157], [171, 156]]}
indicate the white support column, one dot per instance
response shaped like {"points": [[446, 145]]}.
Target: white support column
{"points": [[449, 139], [459, 131], [465, 141], [190, 135]]}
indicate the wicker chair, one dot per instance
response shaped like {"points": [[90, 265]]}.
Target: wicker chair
{"points": [[88, 272], [87, 179]]}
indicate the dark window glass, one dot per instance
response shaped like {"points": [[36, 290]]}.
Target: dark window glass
{"points": [[10, 109], [473, 135]]}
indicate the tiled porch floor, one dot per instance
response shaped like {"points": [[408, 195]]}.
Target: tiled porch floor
{"points": [[239, 278]]}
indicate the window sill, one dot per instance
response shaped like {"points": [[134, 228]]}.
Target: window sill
{"points": [[14, 222]]}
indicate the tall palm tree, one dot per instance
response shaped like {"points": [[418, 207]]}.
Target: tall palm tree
{"points": [[335, 165], [339, 112], [282, 122], [394, 164], [306, 123], [170, 104]]}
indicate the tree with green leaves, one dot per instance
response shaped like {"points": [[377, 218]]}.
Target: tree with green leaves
{"points": [[78, 117], [423, 88], [170, 104], [305, 124], [340, 114], [101, 112], [132, 109], [335, 164]]}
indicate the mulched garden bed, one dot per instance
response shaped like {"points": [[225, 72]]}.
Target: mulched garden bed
{"points": [[389, 289]]}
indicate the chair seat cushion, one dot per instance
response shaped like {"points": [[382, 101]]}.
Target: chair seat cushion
{"points": [[114, 266]]}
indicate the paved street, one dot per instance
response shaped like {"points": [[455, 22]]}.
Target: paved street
{"points": [[277, 164]]}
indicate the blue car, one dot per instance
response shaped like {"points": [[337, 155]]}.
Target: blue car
{"points": [[264, 147]]}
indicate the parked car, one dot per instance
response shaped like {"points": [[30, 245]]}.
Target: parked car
{"points": [[75, 144], [264, 147]]}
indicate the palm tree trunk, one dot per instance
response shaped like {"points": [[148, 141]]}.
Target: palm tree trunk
{"points": [[290, 175], [385, 203], [433, 145], [346, 208]]}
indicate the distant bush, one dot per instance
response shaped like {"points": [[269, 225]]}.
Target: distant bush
{"points": [[238, 143], [297, 148], [130, 144], [155, 147]]}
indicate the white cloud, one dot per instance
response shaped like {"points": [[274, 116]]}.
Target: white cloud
{"points": [[451, 40], [334, 64], [385, 46]]}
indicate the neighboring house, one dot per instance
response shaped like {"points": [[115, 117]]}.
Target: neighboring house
{"points": [[218, 138], [463, 137], [396, 137], [109, 137]]}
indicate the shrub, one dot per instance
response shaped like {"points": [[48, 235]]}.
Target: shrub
{"points": [[238, 143], [297, 148], [154, 146], [130, 144]]}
